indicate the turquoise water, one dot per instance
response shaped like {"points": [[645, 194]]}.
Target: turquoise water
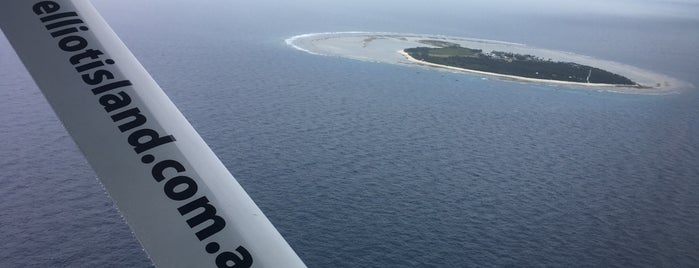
{"points": [[379, 165]]}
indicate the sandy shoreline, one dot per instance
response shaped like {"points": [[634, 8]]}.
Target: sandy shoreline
{"points": [[389, 48], [519, 78]]}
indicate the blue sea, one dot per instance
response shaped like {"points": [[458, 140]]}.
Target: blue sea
{"points": [[363, 164]]}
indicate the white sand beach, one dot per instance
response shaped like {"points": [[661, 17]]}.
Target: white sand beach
{"points": [[520, 78]]}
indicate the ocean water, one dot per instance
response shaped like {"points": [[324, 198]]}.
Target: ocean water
{"points": [[363, 164]]}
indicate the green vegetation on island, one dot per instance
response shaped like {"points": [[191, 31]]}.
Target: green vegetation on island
{"points": [[451, 54]]}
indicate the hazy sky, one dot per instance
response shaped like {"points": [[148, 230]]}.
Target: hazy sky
{"points": [[687, 9], [653, 8]]}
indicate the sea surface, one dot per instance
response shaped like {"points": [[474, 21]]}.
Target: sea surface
{"points": [[363, 164]]}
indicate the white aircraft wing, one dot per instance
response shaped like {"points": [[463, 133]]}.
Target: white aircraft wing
{"points": [[183, 205]]}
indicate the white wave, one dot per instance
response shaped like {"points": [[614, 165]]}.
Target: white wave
{"points": [[291, 40]]}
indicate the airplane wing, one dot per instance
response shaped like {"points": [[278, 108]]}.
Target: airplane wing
{"points": [[183, 205]]}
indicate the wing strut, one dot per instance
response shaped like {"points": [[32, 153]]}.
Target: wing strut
{"points": [[184, 206]]}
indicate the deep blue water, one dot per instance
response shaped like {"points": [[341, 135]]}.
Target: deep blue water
{"points": [[362, 164]]}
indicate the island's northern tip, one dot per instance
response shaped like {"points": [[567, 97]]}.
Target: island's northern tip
{"points": [[505, 60]]}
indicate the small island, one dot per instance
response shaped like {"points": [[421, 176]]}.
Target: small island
{"points": [[489, 58], [508, 63]]}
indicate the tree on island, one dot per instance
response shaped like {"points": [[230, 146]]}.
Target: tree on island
{"points": [[515, 64]]}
